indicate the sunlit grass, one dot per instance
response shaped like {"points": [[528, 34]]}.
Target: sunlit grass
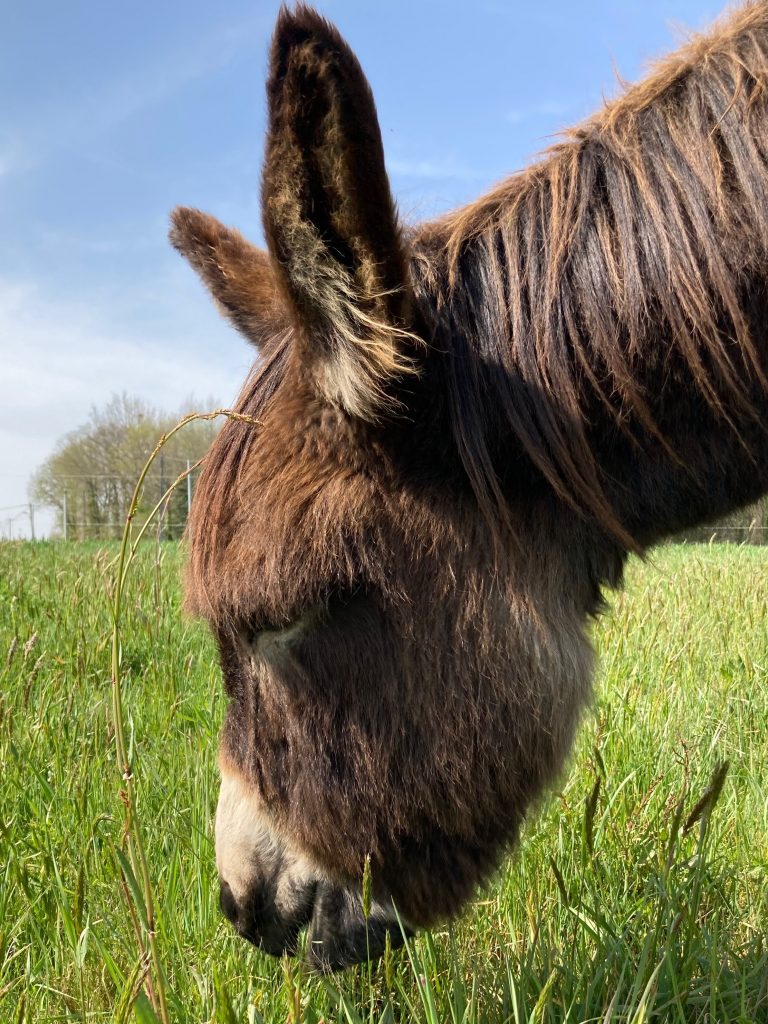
{"points": [[611, 909]]}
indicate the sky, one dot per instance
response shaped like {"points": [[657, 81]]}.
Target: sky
{"points": [[112, 114]]}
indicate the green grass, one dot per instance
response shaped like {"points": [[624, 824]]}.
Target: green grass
{"points": [[610, 910]]}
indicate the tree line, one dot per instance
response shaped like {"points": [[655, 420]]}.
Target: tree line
{"points": [[90, 476]]}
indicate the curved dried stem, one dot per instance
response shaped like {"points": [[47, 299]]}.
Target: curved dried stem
{"points": [[140, 886]]}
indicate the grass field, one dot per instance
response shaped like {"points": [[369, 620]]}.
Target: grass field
{"points": [[637, 894]]}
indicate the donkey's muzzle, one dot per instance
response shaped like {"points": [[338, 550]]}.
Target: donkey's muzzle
{"points": [[258, 921], [339, 935]]}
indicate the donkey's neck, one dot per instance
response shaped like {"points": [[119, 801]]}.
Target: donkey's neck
{"points": [[658, 449], [701, 466], [605, 312]]}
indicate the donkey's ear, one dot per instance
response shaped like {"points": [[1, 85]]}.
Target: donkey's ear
{"points": [[238, 275], [329, 217]]}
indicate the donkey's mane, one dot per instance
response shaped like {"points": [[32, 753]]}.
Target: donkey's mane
{"points": [[637, 232]]}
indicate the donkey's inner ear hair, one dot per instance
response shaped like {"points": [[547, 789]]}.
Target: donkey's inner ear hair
{"points": [[330, 220], [238, 274]]}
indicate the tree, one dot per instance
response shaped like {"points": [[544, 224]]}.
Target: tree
{"points": [[93, 470]]}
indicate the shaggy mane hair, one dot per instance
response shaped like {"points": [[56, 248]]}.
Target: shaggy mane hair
{"points": [[643, 225]]}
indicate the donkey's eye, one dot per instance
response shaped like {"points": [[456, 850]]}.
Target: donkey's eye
{"points": [[337, 603], [267, 626], [265, 633], [274, 630]]}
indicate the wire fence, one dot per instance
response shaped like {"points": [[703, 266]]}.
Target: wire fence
{"points": [[65, 521], [726, 533], [37, 521], [94, 506]]}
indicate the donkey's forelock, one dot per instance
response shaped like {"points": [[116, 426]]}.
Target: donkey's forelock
{"points": [[209, 527]]}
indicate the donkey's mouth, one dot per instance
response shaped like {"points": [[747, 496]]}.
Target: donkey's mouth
{"points": [[339, 934]]}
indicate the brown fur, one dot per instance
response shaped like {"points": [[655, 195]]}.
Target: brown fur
{"points": [[593, 379], [238, 275]]}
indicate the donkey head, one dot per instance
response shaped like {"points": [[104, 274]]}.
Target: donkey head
{"points": [[401, 686]]}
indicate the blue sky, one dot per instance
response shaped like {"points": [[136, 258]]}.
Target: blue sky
{"points": [[112, 114]]}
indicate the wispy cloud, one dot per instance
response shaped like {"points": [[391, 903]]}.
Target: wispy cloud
{"points": [[171, 73], [6, 164], [58, 359], [549, 108], [70, 121], [13, 158], [431, 168]]}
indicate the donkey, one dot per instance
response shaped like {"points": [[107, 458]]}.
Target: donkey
{"points": [[453, 436]]}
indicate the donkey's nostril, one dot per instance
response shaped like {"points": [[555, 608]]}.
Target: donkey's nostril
{"points": [[227, 902]]}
